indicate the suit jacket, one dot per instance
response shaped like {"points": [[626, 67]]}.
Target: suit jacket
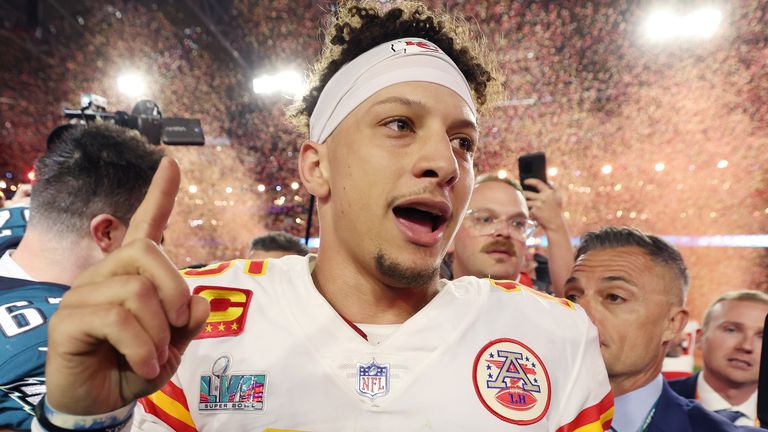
{"points": [[685, 387], [676, 414]]}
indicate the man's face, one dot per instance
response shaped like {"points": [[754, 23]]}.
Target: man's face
{"points": [[627, 296], [500, 253], [731, 342], [399, 171]]}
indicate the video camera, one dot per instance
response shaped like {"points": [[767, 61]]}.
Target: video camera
{"points": [[145, 117]]}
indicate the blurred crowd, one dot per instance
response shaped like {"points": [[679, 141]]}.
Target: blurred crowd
{"points": [[668, 138], [582, 84]]}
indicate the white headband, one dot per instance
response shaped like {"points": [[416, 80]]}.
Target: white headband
{"points": [[401, 60]]}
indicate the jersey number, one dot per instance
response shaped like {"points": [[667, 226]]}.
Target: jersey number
{"points": [[14, 321]]}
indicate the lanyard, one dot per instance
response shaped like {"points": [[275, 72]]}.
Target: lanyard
{"points": [[649, 416]]}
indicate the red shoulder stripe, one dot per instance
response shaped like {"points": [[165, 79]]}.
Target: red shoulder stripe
{"points": [[176, 393], [170, 406], [211, 270], [256, 267], [595, 418]]}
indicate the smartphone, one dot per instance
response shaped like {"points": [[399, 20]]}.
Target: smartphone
{"points": [[532, 165]]}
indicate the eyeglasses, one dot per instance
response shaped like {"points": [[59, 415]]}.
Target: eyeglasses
{"points": [[486, 223]]}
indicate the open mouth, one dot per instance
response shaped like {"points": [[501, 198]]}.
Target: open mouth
{"points": [[422, 222], [424, 219]]}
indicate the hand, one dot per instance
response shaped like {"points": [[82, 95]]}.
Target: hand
{"points": [[121, 329], [545, 206]]}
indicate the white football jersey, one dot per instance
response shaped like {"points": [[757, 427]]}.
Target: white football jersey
{"points": [[481, 356]]}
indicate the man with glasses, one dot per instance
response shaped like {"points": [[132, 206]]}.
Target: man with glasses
{"points": [[491, 241]]}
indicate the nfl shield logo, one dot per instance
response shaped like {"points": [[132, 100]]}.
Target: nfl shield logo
{"points": [[372, 379]]}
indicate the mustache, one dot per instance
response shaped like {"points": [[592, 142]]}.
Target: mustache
{"points": [[426, 190], [496, 245]]}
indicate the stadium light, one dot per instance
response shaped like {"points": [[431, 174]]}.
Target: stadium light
{"points": [[131, 84], [287, 82], [662, 25]]}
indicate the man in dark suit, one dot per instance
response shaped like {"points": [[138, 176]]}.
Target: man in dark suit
{"points": [[730, 346], [633, 286], [685, 387]]}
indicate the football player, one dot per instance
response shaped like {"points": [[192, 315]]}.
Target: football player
{"points": [[363, 335], [87, 188]]}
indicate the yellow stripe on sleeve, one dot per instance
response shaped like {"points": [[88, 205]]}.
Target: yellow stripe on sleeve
{"points": [[598, 425], [172, 407]]}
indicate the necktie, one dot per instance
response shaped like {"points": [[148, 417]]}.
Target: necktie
{"points": [[731, 415]]}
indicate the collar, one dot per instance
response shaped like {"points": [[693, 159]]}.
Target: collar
{"points": [[631, 409], [712, 401], [9, 268]]}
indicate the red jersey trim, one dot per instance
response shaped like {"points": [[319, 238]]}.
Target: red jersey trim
{"points": [[595, 418], [170, 406]]}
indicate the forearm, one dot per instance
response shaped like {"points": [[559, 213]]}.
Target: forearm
{"points": [[560, 256]]}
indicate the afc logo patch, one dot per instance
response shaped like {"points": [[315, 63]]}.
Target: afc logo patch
{"points": [[373, 379], [511, 382]]}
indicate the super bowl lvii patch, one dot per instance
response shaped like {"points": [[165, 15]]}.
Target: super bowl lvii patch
{"points": [[223, 391]]}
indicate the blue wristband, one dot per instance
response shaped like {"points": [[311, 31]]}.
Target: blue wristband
{"points": [[109, 422]]}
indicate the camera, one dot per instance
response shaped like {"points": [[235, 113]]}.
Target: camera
{"points": [[145, 117]]}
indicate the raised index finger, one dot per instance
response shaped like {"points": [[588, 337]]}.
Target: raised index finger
{"points": [[153, 213]]}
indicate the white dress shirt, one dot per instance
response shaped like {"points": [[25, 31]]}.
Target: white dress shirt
{"points": [[712, 401], [631, 409]]}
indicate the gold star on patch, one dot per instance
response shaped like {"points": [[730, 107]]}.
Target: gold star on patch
{"points": [[209, 328], [234, 326], [222, 327]]}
